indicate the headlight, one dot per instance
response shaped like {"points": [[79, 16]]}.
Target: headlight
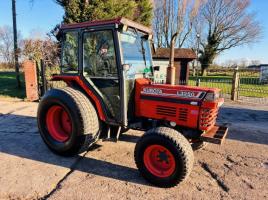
{"points": [[212, 96]]}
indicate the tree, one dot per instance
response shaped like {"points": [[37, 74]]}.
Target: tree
{"points": [[255, 62], [144, 12], [41, 48], [88, 10], [174, 19], [6, 45], [16, 50], [226, 24]]}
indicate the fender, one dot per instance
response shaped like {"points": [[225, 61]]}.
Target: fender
{"points": [[68, 79]]}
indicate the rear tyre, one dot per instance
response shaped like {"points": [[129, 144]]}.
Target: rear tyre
{"points": [[164, 157], [67, 121]]}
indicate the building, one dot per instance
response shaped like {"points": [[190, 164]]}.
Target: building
{"points": [[264, 73], [182, 57]]}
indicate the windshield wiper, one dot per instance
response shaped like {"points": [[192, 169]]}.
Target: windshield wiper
{"points": [[142, 47], [143, 51]]}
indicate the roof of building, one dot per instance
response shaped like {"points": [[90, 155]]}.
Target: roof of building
{"points": [[257, 66], [119, 20], [181, 53]]}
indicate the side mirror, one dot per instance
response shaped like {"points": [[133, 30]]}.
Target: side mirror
{"points": [[156, 68], [126, 67]]}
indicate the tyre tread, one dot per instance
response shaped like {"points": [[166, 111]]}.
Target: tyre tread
{"points": [[88, 115]]}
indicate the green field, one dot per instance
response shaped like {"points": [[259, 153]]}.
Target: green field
{"points": [[249, 86], [8, 85]]}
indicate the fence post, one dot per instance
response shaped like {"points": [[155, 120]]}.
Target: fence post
{"points": [[194, 71], [235, 85], [38, 79], [197, 82], [43, 78]]}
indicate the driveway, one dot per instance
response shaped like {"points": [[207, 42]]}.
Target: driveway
{"points": [[28, 170]]}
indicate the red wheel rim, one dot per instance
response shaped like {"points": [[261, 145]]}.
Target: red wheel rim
{"points": [[58, 123], [159, 161]]}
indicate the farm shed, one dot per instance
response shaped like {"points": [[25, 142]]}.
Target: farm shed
{"points": [[182, 57]]}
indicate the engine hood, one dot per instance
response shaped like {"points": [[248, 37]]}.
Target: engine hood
{"points": [[187, 106]]}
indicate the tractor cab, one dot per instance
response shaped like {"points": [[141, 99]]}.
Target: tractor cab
{"points": [[108, 56]]}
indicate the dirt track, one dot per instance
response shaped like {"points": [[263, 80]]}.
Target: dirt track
{"points": [[28, 170]]}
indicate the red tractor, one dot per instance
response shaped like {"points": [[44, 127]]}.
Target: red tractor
{"points": [[108, 68]]}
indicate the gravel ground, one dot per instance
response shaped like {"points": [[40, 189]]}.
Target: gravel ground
{"points": [[28, 170]]}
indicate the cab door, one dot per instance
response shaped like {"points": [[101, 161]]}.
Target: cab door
{"points": [[100, 68]]}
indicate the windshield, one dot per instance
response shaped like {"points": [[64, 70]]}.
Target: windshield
{"points": [[136, 53]]}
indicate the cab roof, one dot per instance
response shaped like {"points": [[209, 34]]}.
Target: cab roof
{"points": [[118, 21]]}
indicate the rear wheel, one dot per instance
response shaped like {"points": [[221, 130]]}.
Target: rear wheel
{"points": [[164, 157], [58, 123], [67, 121]]}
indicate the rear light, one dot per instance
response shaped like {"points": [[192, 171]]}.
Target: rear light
{"points": [[212, 96]]}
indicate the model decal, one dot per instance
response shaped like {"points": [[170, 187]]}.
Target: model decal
{"points": [[152, 91], [187, 94], [174, 93]]}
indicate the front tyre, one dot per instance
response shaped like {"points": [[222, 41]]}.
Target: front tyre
{"points": [[164, 157], [67, 121]]}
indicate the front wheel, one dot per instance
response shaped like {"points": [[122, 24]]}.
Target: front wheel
{"points": [[164, 157]]}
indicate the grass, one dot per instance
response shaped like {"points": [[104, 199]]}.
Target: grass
{"points": [[8, 85], [249, 86]]}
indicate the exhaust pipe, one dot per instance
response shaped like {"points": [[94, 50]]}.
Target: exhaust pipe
{"points": [[170, 75], [171, 69]]}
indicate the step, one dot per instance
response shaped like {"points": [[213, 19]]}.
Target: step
{"points": [[215, 135]]}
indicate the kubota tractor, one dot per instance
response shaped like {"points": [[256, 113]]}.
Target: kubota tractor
{"points": [[107, 66]]}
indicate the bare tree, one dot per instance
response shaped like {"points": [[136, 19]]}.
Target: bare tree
{"points": [[255, 62], [174, 18], [6, 44], [227, 24], [230, 63]]}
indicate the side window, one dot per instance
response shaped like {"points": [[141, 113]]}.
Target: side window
{"points": [[70, 53], [99, 58]]}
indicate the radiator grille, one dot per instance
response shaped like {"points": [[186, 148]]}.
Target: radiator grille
{"points": [[183, 114], [166, 111], [208, 118]]}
